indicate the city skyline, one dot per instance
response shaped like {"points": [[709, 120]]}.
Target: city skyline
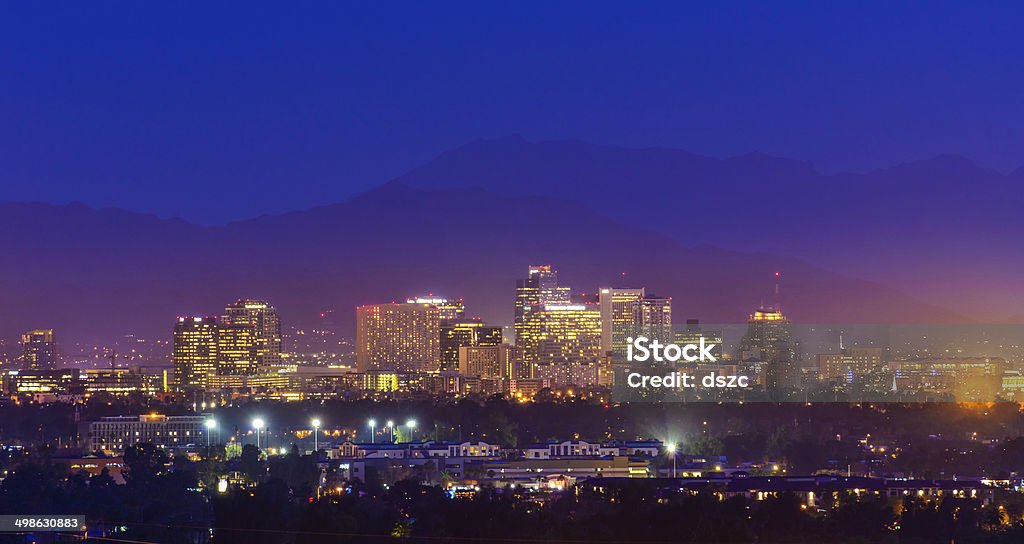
{"points": [[742, 273]]}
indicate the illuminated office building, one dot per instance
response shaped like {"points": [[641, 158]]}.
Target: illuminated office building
{"points": [[237, 349], [967, 379], [539, 289], [629, 313], [195, 352], [399, 338], [459, 334], [30, 382], [115, 434], [39, 350], [263, 319], [693, 333], [115, 381], [769, 341], [487, 362], [620, 309], [849, 365], [565, 343], [655, 318], [450, 310]]}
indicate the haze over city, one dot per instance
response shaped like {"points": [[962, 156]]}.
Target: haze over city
{"points": [[562, 272]]}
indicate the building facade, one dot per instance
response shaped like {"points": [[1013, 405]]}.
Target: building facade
{"points": [[39, 350], [263, 319], [460, 334], [115, 434], [402, 338], [195, 352]]}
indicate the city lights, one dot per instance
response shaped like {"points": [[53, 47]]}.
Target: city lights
{"points": [[210, 425], [258, 424]]}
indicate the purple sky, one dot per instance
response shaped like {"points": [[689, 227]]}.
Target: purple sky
{"points": [[222, 112]]}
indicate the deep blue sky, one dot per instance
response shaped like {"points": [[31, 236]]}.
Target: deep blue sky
{"points": [[224, 112]]}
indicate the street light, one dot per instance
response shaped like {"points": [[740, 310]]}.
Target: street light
{"points": [[372, 423], [411, 424], [672, 449], [316, 431], [210, 426], [391, 427], [258, 425]]}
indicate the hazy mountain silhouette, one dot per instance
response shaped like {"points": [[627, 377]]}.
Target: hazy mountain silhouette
{"points": [[97, 273], [943, 228]]}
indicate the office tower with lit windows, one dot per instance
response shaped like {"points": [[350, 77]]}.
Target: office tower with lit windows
{"points": [[487, 362], [620, 310], [655, 319], [539, 289], [237, 349], [769, 344], [693, 333], [263, 319], [403, 338], [195, 352], [629, 313], [564, 343], [850, 365], [449, 309], [465, 333], [39, 350]]}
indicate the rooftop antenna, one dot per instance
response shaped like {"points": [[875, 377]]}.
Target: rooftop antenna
{"points": [[778, 301]]}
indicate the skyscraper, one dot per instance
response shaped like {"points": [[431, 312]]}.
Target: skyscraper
{"points": [[655, 319], [540, 288], [620, 310], [565, 343], [629, 313], [398, 337], [693, 333], [195, 352], [237, 349], [458, 334], [450, 309], [263, 319], [39, 349], [769, 342]]}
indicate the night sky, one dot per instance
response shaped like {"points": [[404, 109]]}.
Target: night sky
{"points": [[216, 113]]}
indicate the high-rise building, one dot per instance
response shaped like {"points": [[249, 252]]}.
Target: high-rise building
{"points": [[620, 311], [487, 362], [458, 334], [449, 309], [693, 333], [769, 341], [237, 349], [263, 319], [398, 337], [195, 352], [564, 343], [628, 313], [539, 289], [39, 349], [655, 319]]}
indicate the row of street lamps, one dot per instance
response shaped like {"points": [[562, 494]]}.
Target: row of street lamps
{"points": [[259, 425], [411, 424]]}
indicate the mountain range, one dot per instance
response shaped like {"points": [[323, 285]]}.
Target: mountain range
{"points": [[711, 233]]}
